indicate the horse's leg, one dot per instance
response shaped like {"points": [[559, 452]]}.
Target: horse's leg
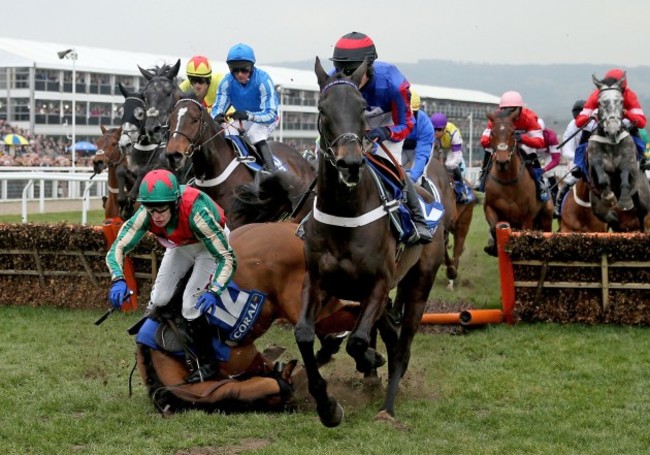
{"points": [[359, 339], [460, 234], [492, 219], [625, 200], [329, 410], [449, 260], [412, 292]]}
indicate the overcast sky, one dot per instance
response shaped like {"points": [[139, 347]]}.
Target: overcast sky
{"points": [[498, 31]]}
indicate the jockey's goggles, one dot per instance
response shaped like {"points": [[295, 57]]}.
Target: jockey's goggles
{"points": [[241, 69], [198, 80], [160, 209]]}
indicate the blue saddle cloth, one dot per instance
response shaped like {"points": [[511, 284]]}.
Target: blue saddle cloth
{"points": [[244, 151], [402, 224], [463, 188], [236, 313]]}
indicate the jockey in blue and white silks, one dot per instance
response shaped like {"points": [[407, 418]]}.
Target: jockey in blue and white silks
{"points": [[422, 137], [252, 93]]}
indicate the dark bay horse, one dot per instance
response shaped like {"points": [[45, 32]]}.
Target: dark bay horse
{"points": [[458, 216], [221, 171], [270, 259], [352, 254], [144, 125], [110, 157], [612, 160], [509, 188]]}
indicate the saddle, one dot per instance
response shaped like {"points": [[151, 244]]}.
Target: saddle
{"points": [[248, 154], [391, 191]]}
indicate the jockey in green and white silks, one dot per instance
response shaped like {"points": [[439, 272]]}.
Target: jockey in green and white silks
{"points": [[193, 236]]}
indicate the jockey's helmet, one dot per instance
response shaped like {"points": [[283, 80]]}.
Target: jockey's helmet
{"points": [[240, 53], [159, 186], [439, 120], [511, 99], [351, 49], [198, 66], [617, 74], [415, 100], [577, 107]]}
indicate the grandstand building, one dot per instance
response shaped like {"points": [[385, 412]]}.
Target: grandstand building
{"points": [[37, 92]]}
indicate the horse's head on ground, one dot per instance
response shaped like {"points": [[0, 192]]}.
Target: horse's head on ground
{"points": [[341, 122], [108, 149], [502, 136], [159, 94], [610, 105], [188, 121], [133, 115]]}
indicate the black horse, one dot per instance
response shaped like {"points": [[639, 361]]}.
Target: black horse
{"points": [[352, 254]]}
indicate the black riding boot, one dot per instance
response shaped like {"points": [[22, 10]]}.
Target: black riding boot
{"points": [[557, 210], [267, 156], [461, 195], [480, 182], [208, 366], [422, 233]]}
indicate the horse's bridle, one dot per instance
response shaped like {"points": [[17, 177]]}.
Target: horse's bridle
{"points": [[193, 146], [327, 147]]}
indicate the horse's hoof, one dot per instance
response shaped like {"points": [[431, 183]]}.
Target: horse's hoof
{"points": [[491, 250], [333, 417], [609, 199], [378, 360], [625, 204], [450, 286]]}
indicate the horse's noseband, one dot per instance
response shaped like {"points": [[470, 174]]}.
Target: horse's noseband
{"points": [[345, 138]]}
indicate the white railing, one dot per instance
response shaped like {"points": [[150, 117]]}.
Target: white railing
{"points": [[25, 179]]}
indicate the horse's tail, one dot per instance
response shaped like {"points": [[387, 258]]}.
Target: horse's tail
{"points": [[265, 199]]}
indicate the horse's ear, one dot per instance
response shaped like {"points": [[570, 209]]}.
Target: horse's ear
{"points": [[103, 128], [123, 89], [490, 115], [173, 71], [148, 75], [321, 74], [359, 72], [596, 81]]}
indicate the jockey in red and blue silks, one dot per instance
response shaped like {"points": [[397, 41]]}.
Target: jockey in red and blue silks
{"points": [[388, 112], [251, 91]]}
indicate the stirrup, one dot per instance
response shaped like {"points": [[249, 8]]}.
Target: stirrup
{"points": [[204, 373]]}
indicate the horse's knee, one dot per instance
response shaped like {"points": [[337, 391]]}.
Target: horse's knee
{"points": [[304, 333], [357, 345]]}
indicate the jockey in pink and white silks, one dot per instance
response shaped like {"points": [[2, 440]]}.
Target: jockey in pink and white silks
{"points": [[190, 226], [252, 93]]}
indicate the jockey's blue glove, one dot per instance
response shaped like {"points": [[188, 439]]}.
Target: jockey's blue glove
{"points": [[381, 134], [207, 302], [239, 115], [118, 293], [220, 118]]}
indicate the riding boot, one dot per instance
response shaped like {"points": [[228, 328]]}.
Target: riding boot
{"points": [[540, 184], [208, 366], [480, 182], [461, 194], [557, 210], [422, 234], [265, 152]]}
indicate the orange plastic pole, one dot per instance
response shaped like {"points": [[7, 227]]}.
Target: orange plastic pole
{"points": [[441, 318], [111, 227], [480, 317], [506, 272]]}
